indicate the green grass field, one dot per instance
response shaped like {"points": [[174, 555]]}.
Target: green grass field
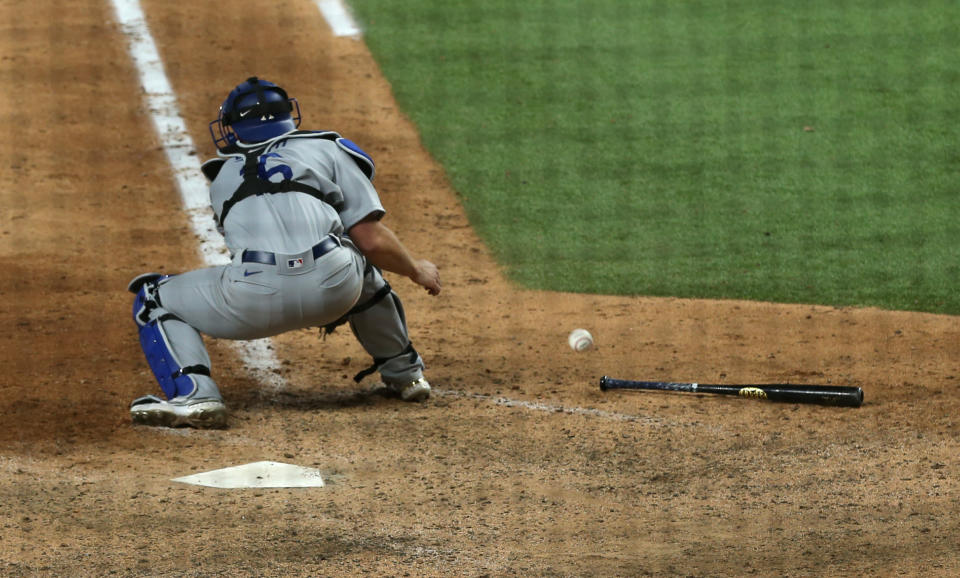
{"points": [[755, 149]]}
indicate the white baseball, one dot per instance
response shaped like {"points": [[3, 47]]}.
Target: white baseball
{"points": [[580, 340]]}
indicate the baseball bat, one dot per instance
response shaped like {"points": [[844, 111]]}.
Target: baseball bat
{"points": [[846, 396]]}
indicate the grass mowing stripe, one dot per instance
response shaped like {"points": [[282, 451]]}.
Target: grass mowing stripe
{"points": [[757, 149]]}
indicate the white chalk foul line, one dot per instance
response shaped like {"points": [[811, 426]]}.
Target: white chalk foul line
{"points": [[339, 18], [553, 408], [181, 153]]}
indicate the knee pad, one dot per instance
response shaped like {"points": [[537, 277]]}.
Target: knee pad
{"points": [[146, 300], [173, 377], [363, 306]]}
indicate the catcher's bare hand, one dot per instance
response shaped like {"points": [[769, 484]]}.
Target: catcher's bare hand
{"points": [[427, 276]]}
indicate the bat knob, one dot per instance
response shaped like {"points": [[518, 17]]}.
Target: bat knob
{"points": [[603, 383]]}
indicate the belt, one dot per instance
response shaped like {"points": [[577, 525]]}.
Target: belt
{"points": [[329, 243]]}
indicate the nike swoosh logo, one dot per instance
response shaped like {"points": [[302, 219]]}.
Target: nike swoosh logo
{"points": [[248, 273], [244, 113]]}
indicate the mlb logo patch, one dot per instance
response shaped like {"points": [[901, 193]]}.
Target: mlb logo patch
{"points": [[294, 263]]}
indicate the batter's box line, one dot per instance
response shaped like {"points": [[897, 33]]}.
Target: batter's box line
{"points": [[552, 408]]}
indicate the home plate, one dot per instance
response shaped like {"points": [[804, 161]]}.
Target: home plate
{"points": [[257, 475]]}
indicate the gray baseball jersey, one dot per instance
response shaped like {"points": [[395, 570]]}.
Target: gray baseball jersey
{"points": [[293, 222]]}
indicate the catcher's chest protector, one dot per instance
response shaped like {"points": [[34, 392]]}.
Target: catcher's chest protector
{"points": [[253, 184]]}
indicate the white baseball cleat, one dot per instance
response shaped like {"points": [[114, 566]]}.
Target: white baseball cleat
{"points": [[418, 390], [179, 411]]}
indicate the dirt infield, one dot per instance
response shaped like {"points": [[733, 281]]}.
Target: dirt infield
{"points": [[518, 466]]}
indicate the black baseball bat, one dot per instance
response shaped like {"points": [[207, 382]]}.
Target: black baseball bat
{"points": [[840, 395]]}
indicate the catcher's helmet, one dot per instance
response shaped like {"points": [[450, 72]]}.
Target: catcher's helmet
{"points": [[255, 111]]}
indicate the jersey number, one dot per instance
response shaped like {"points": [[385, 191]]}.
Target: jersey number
{"points": [[265, 174]]}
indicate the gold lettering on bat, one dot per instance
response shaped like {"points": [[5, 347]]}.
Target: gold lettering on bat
{"points": [[754, 392]]}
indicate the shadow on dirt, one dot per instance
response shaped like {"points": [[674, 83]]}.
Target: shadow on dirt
{"points": [[304, 400]]}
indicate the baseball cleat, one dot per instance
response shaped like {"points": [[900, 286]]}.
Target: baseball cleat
{"points": [[418, 390], [198, 413]]}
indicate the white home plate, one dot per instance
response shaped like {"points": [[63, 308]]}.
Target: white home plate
{"points": [[258, 475]]}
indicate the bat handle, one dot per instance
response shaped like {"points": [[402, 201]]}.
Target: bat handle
{"points": [[603, 383]]}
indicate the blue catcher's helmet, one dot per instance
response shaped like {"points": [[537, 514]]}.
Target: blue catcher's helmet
{"points": [[255, 111]]}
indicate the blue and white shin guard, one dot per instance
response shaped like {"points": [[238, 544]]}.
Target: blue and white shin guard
{"points": [[174, 350]]}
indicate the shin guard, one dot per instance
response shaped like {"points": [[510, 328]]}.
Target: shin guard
{"points": [[173, 377]]}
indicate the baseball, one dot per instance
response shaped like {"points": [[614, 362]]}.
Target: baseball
{"points": [[580, 340]]}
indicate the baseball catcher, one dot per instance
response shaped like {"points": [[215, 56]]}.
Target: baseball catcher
{"points": [[302, 220]]}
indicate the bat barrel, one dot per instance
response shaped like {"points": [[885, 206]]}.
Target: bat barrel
{"points": [[824, 395]]}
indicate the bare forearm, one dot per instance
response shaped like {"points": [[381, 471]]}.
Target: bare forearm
{"points": [[383, 249]]}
